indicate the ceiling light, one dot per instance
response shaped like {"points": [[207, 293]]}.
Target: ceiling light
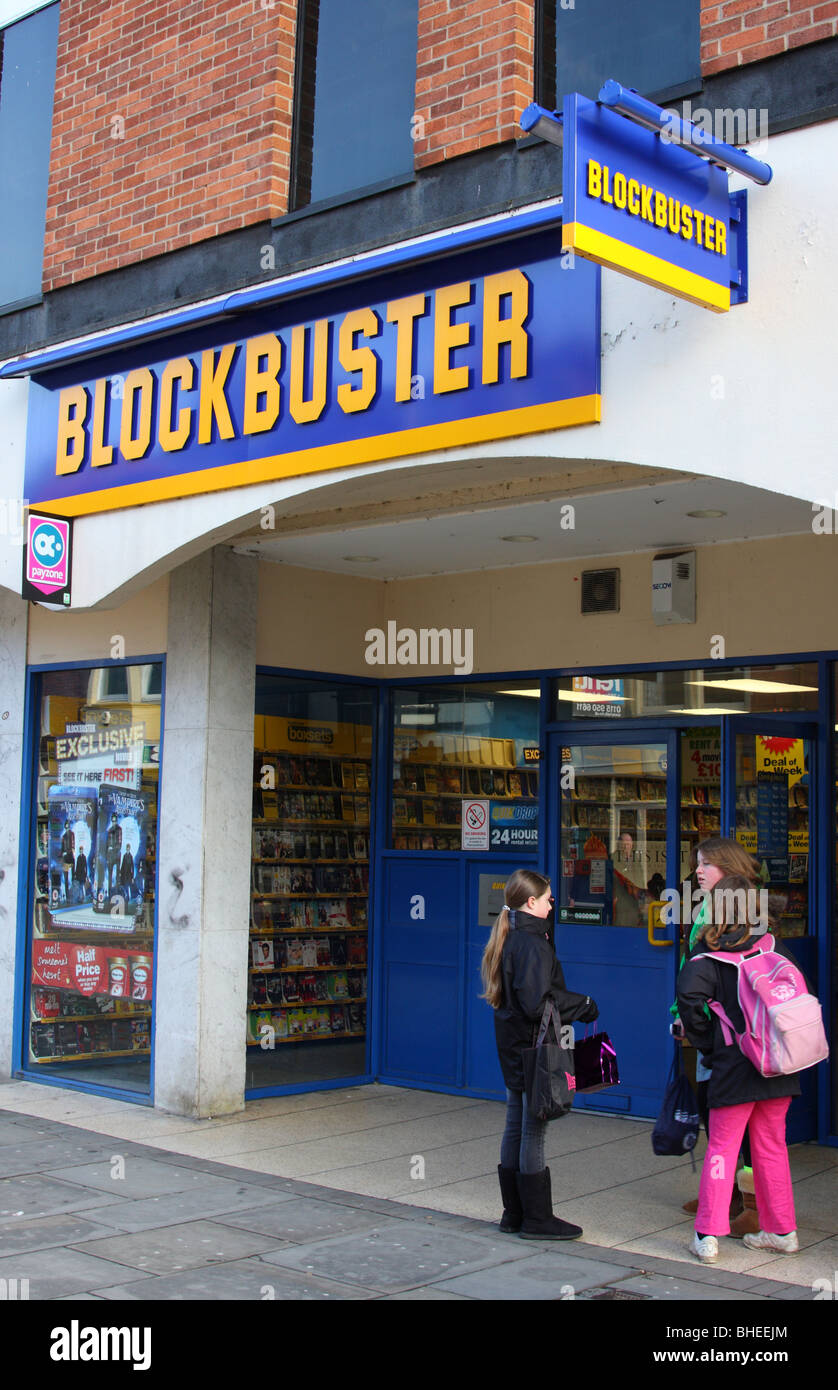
{"points": [[704, 513], [755, 686], [360, 559], [707, 709], [588, 697], [531, 694], [519, 539]]}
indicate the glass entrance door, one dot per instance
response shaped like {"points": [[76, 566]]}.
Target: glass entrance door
{"points": [[616, 852], [770, 808]]}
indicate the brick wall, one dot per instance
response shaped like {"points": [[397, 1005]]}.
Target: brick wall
{"points": [[734, 32], [172, 124], [474, 74]]}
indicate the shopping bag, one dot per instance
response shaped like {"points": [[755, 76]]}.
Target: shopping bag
{"points": [[677, 1126], [549, 1079], [596, 1064]]}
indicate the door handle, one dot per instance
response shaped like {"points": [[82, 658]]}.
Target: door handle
{"points": [[653, 920]]}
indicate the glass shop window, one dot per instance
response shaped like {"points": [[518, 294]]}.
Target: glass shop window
{"points": [[92, 907], [460, 748]]}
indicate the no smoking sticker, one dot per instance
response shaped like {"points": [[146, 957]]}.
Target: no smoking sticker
{"points": [[475, 825]]}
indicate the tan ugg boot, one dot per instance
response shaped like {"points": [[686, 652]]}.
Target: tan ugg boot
{"points": [[747, 1223]]}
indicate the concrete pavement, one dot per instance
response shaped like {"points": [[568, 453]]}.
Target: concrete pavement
{"points": [[372, 1192]]}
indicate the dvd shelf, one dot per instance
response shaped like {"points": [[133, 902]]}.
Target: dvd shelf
{"points": [[307, 976], [433, 774]]}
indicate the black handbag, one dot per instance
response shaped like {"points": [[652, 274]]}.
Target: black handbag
{"points": [[549, 1080], [678, 1124]]}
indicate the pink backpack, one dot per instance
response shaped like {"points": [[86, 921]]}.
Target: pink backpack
{"points": [[783, 1024]]}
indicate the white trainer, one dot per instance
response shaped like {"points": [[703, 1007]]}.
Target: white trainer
{"points": [[766, 1240], [706, 1249]]}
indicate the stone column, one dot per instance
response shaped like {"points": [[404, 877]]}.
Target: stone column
{"points": [[204, 836], [14, 618]]}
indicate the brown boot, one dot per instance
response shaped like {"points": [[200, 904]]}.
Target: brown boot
{"points": [[747, 1222], [733, 1212]]}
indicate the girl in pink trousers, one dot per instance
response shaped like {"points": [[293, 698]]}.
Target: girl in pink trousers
{"points": [[738, 1095]]}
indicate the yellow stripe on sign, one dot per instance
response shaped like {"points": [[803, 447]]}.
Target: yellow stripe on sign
{"points": [[530, 419], [608, 251]]}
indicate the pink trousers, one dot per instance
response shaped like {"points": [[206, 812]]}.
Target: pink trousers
{"points": [[766, 1122]]}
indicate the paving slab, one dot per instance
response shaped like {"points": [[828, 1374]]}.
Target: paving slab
{"points": [[138, 1177], [734, 1255], [57, 1272], [45, 1231], [170, 1249], [387, 1259], [205, 1202], [674, 1289], [36, 1195], [551, 1275], [240, 1281], [305, 1219]]}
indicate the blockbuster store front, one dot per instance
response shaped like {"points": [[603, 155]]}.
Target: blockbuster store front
{"points": [[385, 819], [327, 677]]}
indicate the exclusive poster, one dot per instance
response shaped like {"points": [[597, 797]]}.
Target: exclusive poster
{"points": [[122, 830], [71, 852]]}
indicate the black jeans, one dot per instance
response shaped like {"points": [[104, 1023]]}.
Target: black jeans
{"points": [[522, 1145]]}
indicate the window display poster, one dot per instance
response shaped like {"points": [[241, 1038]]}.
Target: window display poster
{"points": [[72, 819], [120, 853]]}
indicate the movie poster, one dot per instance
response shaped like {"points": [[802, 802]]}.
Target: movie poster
{"points": [[72, 820], [121, 866]]}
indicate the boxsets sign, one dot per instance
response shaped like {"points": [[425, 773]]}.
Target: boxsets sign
{"points": [[476, 346], [645, 206]]}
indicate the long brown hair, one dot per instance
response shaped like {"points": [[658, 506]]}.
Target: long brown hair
{"points": [[729, 856], [730, 919], [520, 886]]}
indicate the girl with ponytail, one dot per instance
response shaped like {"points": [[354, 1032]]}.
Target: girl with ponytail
{"points": [[520, 973]]}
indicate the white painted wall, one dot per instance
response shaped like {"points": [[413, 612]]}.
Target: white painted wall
{"points": [[747, 396]]}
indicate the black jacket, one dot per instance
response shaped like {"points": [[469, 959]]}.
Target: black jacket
{"points": [[530, 975], [734, 1080]]}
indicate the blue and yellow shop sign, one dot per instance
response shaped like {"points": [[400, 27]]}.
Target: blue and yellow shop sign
{"points": [[456, 351], [640, 204]]}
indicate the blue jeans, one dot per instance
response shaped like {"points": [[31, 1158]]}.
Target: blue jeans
{"points": [[522, 1145]]}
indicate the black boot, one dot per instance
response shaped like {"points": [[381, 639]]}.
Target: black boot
{"points": [[513, 1212], [539, 1222]]}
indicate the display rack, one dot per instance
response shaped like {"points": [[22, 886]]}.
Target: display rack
{"points": [[307, 978], [432, 775]]}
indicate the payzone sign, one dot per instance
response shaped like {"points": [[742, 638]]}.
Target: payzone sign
{"points": [[47, 558]]}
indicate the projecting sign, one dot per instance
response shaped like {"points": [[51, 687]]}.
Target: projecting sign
{"points": [[488, 344], [645, 206], [47, 559]]}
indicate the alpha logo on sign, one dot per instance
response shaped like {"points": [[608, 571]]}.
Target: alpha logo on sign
{"points": [[644, 206], [47, 559], [482, 345]]}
